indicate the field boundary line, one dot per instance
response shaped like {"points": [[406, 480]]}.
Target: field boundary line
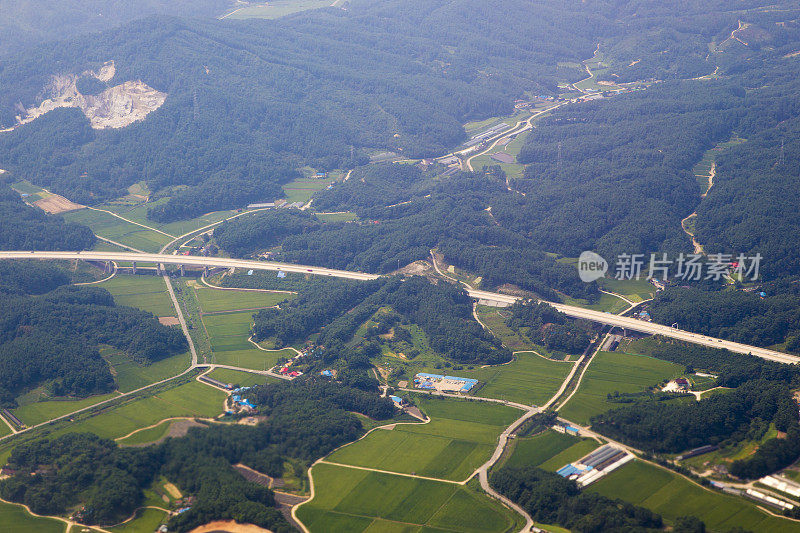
{"points": [[129, 221], [393, 473], [113, 274], [321, 459], [135, 431], [115, 243], [68, 523], [254, 343], [219, 288]]}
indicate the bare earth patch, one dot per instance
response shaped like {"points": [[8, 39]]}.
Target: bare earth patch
{"points": [[116, 107], [55, 204], [168, 320], [229, 526]]}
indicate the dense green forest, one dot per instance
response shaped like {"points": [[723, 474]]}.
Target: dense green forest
{"points": [[442, 310], [27, 22], [448, 213], [28, 228], [624, 180], [50, 333], [305, 422], [551, 499], [736, 315], [761, 395], [254, 99], [245, 235], [545, 325]]}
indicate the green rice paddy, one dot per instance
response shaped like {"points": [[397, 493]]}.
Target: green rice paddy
{"points": [[530, 379], [148, 293], [118, 230], [609, 372], [673, 496], [460, 437], [350, 500], [218, 300], [15, 519]]}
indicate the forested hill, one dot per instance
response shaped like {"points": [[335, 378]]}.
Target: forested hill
{"points": [[50, 333], [26, 22], [28, 228], [250, 100]]}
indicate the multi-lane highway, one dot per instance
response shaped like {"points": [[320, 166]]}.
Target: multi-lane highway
{"points": [[491, 297]]}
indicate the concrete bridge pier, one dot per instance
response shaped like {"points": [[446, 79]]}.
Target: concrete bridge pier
{"points": [[205, 271], [134, 267], [108, 267], [183, 272]]}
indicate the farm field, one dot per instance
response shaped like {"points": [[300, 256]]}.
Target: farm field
{"points": [[513, 170], [606, 302], [540, 448], [348, 500], [530, 379], [138, 213], [302, 189], [244, 379], [459, 438], [32, 412], [144, 292], [228, 334], [118, 230], [609, 372], [493, 318], [4, 429], [578, 449], [635, 290], [217, 300], [147, 435], [131, 375], [146, 520], [189, 399], [15, 519], [673, 496], [346, 216], [276, 9]]}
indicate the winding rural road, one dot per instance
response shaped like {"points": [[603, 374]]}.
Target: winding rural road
{"points": [[601, 317]]}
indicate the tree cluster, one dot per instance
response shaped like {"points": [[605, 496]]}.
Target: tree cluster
{"points": [[545, 325], [28, 228], [306, 421], [551, 499]]}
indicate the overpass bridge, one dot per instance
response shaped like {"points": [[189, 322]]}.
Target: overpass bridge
{"points": [[601, 317]]}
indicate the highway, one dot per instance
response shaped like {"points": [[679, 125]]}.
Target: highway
{"points": [[629, 323], [188, 260]]}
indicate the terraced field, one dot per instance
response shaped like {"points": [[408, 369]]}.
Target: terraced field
{"points": [[460, 437], [612, 371], [348, 500], [673, 496]]}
